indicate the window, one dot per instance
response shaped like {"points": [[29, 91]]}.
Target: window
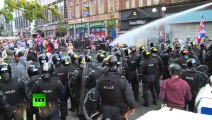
{"points": [[141, 3], [77, 12], [101, 5], [92, 7], [149, 2], [127, 4], [111, 5], [71, 12], [132, 3]]}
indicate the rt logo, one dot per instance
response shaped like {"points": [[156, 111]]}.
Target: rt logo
{"points": [[38, 100]]}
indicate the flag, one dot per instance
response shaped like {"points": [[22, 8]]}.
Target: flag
{"points": [[201, 31]]}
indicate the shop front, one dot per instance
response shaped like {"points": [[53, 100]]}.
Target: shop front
{"points": [[81, 30], [137, 17], [71, 30], [186, 25], [97, 28]]}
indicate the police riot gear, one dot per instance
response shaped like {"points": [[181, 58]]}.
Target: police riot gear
{"points": [[66, 61], [183, 59], [42, 59], [54, 91], [74, 57], [132, 49], [195, 79], [141, 49], [13, 89], [152, 44], [56, 60], [32, 70], [100, 57], [102, 52], [115, 94], [47, 70]]}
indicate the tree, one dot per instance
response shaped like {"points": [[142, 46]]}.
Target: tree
{"points": [[111, 23], [31, 10], [61, 30]]}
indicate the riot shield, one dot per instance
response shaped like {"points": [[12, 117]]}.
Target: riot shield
{"points": [[203, 68], [91, 107]]}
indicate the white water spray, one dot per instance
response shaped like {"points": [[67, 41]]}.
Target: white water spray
{"points": [[143, 32]]}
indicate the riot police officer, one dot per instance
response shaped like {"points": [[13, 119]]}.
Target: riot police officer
{"points": [[202, 54], [4, 106], [133, 63], [95, 74], [167, 57], [149, 70], [177, 48], [62, 74], [195, 79], [42, 59], [183, 58], [14, 91], [66, 62], [159, 70], [115, 92], [53, 89], [33, 74], [77, 85]]}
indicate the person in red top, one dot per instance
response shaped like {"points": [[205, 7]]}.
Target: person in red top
{"points": [[175, 91]]}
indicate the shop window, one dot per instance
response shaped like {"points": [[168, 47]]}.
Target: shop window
{"points": [[101, 5], [71, 12], [141, 3], [132, 3], [127, 4]]}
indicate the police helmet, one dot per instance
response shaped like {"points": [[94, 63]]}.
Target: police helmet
{"points": [[56, 60], [192, 62], [111, 61], [177, 46], [81, 60], [102, 51], [42, 59], [142, 48], [184, 52], [154, 50], [116, 49], [132, 49], [48, 67], [169, 49], [126, 52], [74, 57], [146, 53], [65, 61], [152, 44], [87, 58], [100, 57], [32, 70], [175, 69], [5, 72], [118, 54]]}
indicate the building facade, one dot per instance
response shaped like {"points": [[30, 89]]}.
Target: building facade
{"points": [[87, 17], [49, 26]]}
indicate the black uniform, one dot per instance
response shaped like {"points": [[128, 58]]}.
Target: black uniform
{"points": [[182, 61], [4, 106], [148, 68], [61, 73], [28, 88], [14, 91], [93, 76], [196, 80], [132, 63], [116, 95], [54, 90]]}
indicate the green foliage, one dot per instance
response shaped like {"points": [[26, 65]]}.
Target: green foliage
{"points": [[111, 23], [30, 10], [61, 30]]}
